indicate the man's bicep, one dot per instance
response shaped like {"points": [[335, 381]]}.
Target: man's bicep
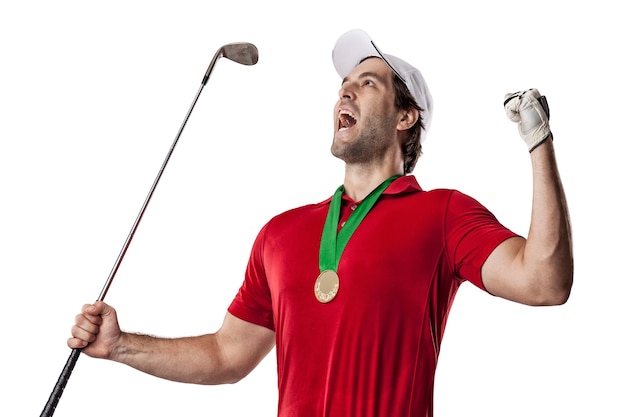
{"points": [[244, 344], [502, 271]]}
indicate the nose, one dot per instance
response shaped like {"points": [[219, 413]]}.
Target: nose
{"points": [[346, 91]]}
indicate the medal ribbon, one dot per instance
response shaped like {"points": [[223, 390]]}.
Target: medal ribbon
{"points": [[333, 243]]}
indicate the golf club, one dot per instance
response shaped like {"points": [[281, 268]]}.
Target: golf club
{"points": [[242, 53]]}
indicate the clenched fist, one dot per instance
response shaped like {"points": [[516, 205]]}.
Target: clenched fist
{"points": [[529, 109]]}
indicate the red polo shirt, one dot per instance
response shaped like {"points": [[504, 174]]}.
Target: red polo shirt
{"points": [[371, 351]]}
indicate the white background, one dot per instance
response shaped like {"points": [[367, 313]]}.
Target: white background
{"points": [[92, 95]]}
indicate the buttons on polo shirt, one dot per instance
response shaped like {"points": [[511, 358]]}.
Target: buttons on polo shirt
{"points": [[352, 207]]}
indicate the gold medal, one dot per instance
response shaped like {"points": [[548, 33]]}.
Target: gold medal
{"points": [[326, 286]]}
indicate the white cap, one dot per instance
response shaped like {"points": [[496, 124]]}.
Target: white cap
{"points": [[356, 45]]}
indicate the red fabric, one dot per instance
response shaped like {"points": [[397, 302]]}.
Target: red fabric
{"points": [[372, 351]]}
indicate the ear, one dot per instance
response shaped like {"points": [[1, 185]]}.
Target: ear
{"points": [[408, 117]]}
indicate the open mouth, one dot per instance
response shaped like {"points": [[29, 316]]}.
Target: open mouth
{"points": [[345, 120]]}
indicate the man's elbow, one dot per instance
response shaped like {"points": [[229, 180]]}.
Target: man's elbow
{"points": [[557, 298], [557, 292]]}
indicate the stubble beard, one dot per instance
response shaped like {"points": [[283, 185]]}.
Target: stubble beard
{"points": [[370, 145]]}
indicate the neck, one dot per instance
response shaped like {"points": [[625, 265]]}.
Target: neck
{"points": [[359, 182]]}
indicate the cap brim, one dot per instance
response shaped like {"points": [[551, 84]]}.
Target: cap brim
{"points": [[352, 48]]}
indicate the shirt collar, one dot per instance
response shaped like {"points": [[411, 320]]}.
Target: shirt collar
{"points": [[404, 184]]}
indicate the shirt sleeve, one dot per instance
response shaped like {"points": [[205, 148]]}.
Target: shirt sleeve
{"points": [[253, 302], [472, 233]]}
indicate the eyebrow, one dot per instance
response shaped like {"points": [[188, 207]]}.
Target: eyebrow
{"points": [[367, 74]]}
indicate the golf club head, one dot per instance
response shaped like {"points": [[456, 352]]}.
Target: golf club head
{"points": [[242, 52]]}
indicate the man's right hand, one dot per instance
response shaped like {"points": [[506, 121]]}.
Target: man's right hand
{"points": [[96, 330]]}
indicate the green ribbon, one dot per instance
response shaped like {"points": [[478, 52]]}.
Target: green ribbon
{"points": [[333, 243]]}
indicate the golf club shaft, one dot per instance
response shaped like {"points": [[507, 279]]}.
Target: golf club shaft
{"points": [[55, 396]]}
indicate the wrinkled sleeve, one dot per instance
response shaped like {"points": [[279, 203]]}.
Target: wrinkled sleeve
{"points": [[253, 302], [472, 233]]}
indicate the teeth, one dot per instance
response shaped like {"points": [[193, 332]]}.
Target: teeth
{"points": [[349, 113], [346, 119]]}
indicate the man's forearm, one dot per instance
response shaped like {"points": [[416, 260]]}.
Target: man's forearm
{"points": [[549, 245], [197, 360]]}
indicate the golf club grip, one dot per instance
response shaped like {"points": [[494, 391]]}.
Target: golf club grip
{"points": [[55, 396]]}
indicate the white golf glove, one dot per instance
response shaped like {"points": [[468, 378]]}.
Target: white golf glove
{"points": [[530, 111]]}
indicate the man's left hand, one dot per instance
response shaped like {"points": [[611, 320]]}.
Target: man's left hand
{"points": [[529, 109]]}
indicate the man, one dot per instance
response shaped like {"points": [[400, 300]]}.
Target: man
{"points": [[355, 291]]}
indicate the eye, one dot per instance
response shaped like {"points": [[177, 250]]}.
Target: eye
{"points": [[368, 83]]}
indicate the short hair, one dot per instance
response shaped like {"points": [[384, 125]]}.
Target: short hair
{"points": [[412, 146]]}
